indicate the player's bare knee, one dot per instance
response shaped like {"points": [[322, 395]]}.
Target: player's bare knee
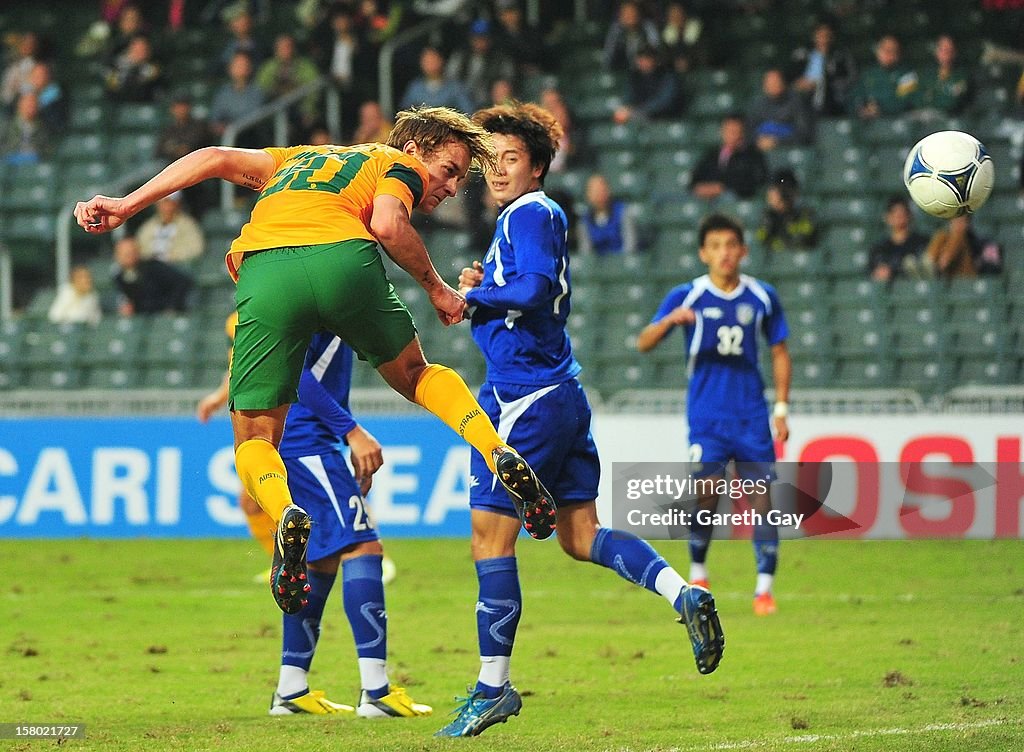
{"points": [[576, 546]]}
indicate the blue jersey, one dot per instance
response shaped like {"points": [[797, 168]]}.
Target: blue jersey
{"points": [[721, 345], [317, 423], [522, 303]]}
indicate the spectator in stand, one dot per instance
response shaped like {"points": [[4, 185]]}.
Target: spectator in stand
{"points": [[26, 139], [734, 167], [433, 88], [552, 101], [53, 105], [287, 71], [681, 39], [373, 127], [184, 133], [652, 90], [778, 116], [523, 44], [16, 74], [886, 88], [945, 87], [630, 32], [501, 92], [956, 250], [825, 73], [786, 224], [607, 224], [171, 235], [901, 250], [130, 24], [135, 76], [77, 301], [480, 64], [236, 98], [239, 22], [148, 285]]}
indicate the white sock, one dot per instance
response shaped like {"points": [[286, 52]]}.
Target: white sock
{"points": [[373, 673], [764, 583], [668, 583], [494, 670], [292, 680], [698, 571]]}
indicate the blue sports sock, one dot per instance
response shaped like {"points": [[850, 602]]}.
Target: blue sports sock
{"points": [[498, 609], [700, 540], [363, 597], [630, 557], [766, 547], [302, 630]]}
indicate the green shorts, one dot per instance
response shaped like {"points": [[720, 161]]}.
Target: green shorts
{"points": [[285, 295]]}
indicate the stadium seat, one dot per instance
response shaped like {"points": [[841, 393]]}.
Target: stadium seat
{"points": [[52, 377], [82, 147], [863, 341], [895, 131], [812, 372], [929, 374], [128, 150], [138, 117], [111, 378], [670, 135], [981, 370], [87, 118], [856, 315], [841, 180], [920, 340], [862, 372], [108, 344], [847, 210], [809, 342], [795, 265], [613, 136], [174, 376]]}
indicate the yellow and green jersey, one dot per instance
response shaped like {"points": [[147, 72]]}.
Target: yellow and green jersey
{"points": [[324, 194]]}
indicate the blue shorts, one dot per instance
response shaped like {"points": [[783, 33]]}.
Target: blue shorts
{"points": [[323, 485], [550, 427], [747, 441]]}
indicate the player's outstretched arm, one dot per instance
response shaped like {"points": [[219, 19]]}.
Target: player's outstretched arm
{"points": [[249, 167], [656, 331], [782, 375], [213, 401], [391, 226]]}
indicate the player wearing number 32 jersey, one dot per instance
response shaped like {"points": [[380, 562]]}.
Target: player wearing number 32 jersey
{"points": [[723, 313]]}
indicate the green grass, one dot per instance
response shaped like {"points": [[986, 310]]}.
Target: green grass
{"points": [[876, 646]]}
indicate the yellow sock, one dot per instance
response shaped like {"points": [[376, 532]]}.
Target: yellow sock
{"points": [[443, 392], [262, 529], [263, 476]]}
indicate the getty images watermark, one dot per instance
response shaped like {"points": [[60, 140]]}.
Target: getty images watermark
{"points": [[923, 499]]}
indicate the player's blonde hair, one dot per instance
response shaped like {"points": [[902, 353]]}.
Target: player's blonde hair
{"points": [[430, 128], [538, 129]]}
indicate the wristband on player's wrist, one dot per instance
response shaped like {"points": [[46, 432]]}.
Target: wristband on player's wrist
{"points": [[781, 410]]}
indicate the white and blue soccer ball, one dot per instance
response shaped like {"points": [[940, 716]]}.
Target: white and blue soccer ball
{"points": [[948, 174]]}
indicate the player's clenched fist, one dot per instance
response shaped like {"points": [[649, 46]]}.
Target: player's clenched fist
{"points": [[100, 214]]}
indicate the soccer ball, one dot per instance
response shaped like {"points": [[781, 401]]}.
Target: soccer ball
{"points": [[948, 174]]}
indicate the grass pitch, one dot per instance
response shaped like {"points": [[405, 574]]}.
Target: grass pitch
{"points": [[877, 646]]}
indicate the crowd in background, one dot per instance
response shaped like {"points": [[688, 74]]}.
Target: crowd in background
{"points": [[484, 52]]}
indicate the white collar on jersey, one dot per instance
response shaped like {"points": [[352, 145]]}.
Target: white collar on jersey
{"points": [[526, 198]]}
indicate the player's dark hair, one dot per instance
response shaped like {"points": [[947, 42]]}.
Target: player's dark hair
{"points": [[532, 124], [713, 222]]}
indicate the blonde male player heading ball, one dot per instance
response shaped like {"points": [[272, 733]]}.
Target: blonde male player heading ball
{"points": [[308, 260]]}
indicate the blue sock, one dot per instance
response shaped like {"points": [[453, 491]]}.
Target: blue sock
{"points": [[363, 597], [498, 609], [302, 630], [629, 557], [700, 540], [766, 547]]}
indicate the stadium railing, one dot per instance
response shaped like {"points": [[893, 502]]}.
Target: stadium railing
{"points": [[6, 284], [278, 112]]}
